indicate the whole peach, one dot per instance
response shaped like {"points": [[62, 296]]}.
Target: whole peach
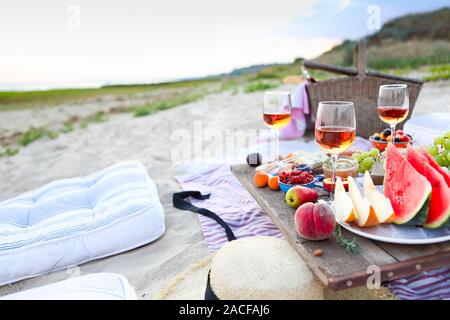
{"points": [[315, 221]]}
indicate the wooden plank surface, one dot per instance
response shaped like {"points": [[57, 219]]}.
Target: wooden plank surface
{"points": [[338, 268]]}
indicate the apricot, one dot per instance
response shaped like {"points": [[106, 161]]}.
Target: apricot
{"points": [[261, 179], [273, 183]]}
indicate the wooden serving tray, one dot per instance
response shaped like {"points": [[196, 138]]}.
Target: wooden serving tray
{"points": [[337, 268]]}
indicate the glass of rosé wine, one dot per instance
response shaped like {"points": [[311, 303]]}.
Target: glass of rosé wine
{"points": [[335, 129], [277, 114], [393, 105]]}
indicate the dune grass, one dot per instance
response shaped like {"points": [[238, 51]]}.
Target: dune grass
{"points": [[260, 86], [150, 108], [166, 96], [390, 54], [9, 152], [34, 134], [441, 72], [15, 100]]}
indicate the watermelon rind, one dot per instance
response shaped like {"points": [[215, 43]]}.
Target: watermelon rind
{"points": [[442, 222], [420, 216]]}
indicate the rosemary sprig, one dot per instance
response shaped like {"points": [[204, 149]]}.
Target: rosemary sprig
{"points": [[348, 244]]}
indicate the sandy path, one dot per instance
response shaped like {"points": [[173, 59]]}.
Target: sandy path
{"points": [[434, 97], [147, 139]]}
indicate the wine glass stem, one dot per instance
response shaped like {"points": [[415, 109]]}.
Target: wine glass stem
{"points": [[393, 133], [277, 144], [334, 158]]}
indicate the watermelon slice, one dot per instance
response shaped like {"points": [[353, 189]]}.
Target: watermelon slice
{"points": [[407, 189], [435, 165], [440, 195]]}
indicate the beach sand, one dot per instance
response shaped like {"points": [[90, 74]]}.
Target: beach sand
{"points": [[148, 139], [123, 137]]}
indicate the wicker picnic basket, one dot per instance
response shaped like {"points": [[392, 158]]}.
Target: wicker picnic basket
{"points": [[361, 87]]}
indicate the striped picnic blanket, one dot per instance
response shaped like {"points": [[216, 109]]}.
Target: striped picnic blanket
{"points": [[236, 206]]}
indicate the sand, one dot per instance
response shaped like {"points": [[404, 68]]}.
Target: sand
{"points": [[148, 139], [122, 137]]}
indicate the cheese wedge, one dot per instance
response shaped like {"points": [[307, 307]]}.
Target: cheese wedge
{"points": [[343, 204], [381, 204], [364, 211]]}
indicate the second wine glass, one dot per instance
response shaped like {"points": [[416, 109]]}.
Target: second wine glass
{"points": [[277, 114], [335, 129]]}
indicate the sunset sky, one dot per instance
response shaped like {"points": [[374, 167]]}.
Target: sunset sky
{"points": [[51, 43]]}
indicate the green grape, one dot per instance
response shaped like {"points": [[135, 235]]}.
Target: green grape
{"points": [[446, 162], [439, 140], [358, 157], [374, 152], [365, 154], [447, 134], [447, 144], [362, 169], [448, 156], [368, 162], [440, 160], [433, 150]]}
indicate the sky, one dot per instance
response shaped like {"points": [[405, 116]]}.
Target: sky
{"points": [[61, 43]]}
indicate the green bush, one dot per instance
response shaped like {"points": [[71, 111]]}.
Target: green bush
{"points": [[147, 109], [262, 75], [34, 134], [97, 117], [9, 152], [259, 86], [141, 111], [84, 124], [439, 73], [229, 85], [67, 127]]}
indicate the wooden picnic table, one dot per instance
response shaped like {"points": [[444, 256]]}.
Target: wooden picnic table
{"points": [[337, 268]]}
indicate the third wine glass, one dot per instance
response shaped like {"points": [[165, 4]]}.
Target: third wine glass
{"points": [[393, 105]]}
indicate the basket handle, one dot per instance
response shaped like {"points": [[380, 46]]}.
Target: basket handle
{"points": [[360, 57], [331, 68]]}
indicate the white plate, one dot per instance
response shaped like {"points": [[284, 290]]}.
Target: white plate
{"points": [[402, 234], [395, 233]]}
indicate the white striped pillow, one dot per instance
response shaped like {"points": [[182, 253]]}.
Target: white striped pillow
{"points": [[75, 220]]}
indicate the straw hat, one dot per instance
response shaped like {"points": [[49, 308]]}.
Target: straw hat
{"points": [[257, 268], [249, 268]]}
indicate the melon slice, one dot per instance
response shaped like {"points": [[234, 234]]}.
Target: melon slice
{"points": [[381, 204], [436, 166], [408, 191], [343, 203], [440, 193], [364, 211]]}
